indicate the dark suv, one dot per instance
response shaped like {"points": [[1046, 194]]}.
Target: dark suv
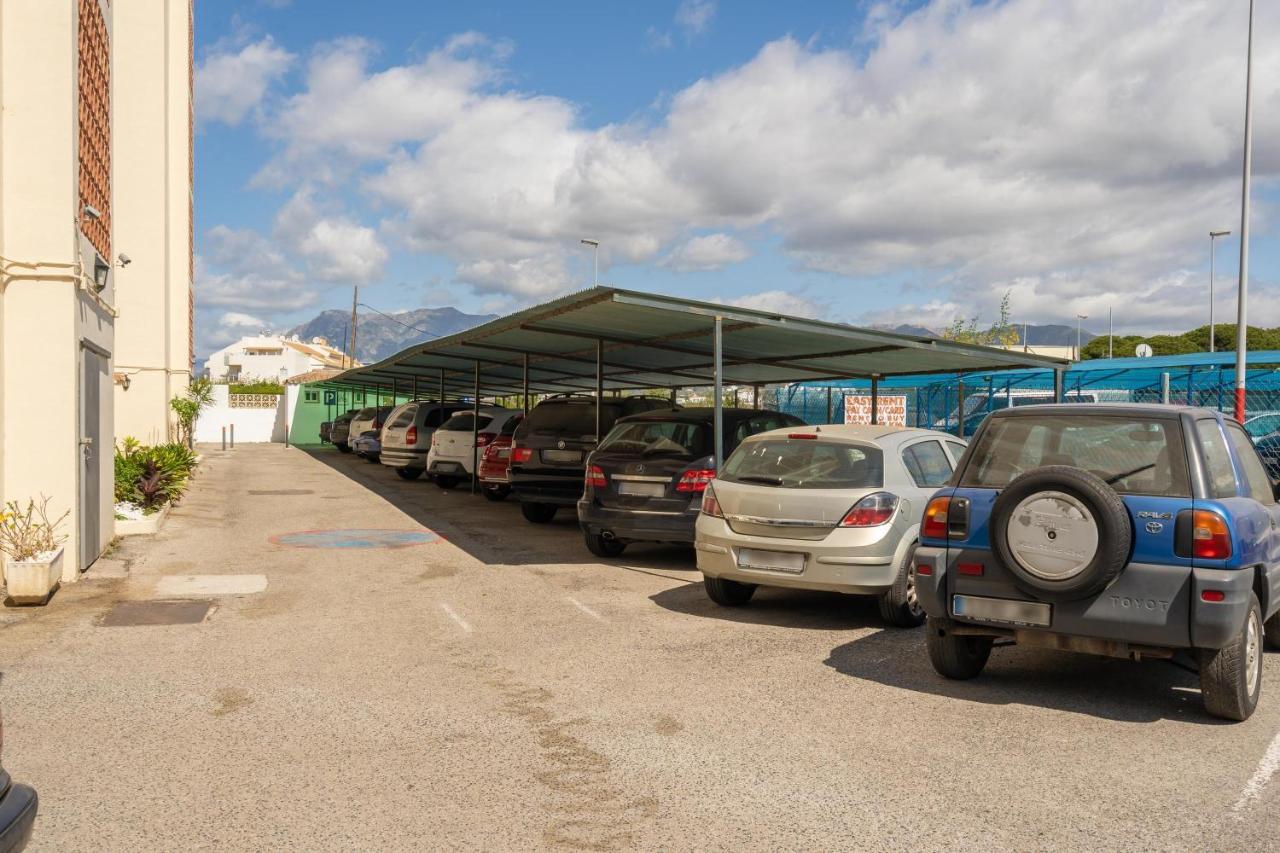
{"points": [[1123, 530], [18, 805], [645, 481], [550, 447]]}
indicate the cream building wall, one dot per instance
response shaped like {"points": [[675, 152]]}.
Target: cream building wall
{"points": [[151, 83], [56, 333]]}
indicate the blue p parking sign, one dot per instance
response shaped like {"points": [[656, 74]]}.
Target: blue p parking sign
{"points": [[330, 398]]}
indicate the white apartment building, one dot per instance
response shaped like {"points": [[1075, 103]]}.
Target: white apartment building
{"points": [[272, 357]]}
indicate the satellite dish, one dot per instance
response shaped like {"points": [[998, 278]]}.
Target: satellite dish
{"points": [[1143, 351]]}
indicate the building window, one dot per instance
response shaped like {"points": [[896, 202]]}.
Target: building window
{"points": [[94, 63], [310, 396]]}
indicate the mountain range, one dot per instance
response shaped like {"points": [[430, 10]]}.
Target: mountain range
{"points": [[382, 335], [1052, 334]]}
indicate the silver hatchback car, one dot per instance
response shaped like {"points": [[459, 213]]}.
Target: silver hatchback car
{"points": [[834, 507]]}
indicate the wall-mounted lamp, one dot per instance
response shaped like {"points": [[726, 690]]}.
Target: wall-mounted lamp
{"points": [[123, 380], [100, 272]]}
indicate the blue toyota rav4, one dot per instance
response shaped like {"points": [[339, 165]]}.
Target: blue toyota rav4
{"points": [[1125, 530]]}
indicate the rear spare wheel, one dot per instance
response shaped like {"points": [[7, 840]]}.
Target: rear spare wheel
{"points": [[1062, 532]]}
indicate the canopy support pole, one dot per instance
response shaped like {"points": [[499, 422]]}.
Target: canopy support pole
{"points": [[441, 401], [828, 420], [415, 387], [717, 424], [875, 400], [526, 384], [674, 392], [963, 409], [1058, 377], [475, 432], [599, 384], [755, 397]]}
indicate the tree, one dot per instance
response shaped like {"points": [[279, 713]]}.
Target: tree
{"points": [[1195, 340], [188, 406], [1001, 334]]}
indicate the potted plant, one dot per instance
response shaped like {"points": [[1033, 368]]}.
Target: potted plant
{"points": [[33, 545]]}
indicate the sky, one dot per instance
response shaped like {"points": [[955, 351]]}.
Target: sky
{"points": [[865, 162]]}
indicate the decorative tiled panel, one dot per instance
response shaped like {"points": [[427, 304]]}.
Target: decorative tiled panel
{"points": [[94, 53]]}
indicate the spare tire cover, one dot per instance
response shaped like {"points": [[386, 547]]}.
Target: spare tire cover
{"points": [[1062, 532]]}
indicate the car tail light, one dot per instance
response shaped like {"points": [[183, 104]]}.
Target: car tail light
{"points": [[1213, 595], [924, 568], [972, 569], [521, 454], [411, 435], [871, 511], [711, 506], [484, 438], [490, 453], [1210, 538], [935, 518], [802, 435], [696, 480], [595, 477]]}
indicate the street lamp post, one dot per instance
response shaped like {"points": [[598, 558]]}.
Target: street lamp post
{"points": [[1213, 235], [1079, 319], [1242, 327], [595, 260]]}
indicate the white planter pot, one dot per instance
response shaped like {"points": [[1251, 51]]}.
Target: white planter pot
{"points": [[33, 581], [142, 526]]}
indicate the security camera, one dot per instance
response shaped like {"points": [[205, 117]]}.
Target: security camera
{"points": [[92, 212], [124, 259]]}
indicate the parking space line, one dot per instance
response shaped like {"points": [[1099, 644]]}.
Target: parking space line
{"points": [[462, 623], [1267, 767], [584, 608]]}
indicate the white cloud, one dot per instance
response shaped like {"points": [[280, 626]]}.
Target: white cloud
{"points": [[231, 83], [709, 252], [335, 249], [1069, 152], [781, 302], [694, 16], [245, 271]]}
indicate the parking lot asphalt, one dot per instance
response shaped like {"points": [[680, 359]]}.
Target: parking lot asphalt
{"points": [[500, 688]]}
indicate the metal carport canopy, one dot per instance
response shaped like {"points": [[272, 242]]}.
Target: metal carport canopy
{"points": [[646, 341]]}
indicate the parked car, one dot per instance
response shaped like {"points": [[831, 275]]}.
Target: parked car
{"points": [[326, 429], [1129, 531], [1264, 429], [978, 404], [645, 480], [833, 508], [453, 448], [340, 431], [549, 449], [18, 806], [406, 437], [368, 420], [495, 463]]}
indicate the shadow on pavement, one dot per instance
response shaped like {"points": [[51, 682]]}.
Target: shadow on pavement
{"points": [[788, 608], [495, 532], [1108, 688]]}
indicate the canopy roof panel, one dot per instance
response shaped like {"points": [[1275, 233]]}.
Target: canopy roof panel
{"points": [[650, 341]]}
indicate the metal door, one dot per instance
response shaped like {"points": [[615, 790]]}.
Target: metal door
{"points": [[93, 371]]}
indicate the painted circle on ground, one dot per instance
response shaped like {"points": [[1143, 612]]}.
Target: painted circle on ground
{"points": [[355, 538]]}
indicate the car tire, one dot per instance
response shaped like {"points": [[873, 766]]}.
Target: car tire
{"points": [[409, 473], [538, 513], [447, 481], [373, 457], [1231, 677], [952, 655], [1271, 630], [343, 447], [497, 493], [603, 547], [1110, 518], [899, 606], [728, 593]]}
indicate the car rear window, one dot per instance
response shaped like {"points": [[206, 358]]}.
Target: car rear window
{"points": [[576, 418], [461, 422], [1134, 455], [657, 438], [509, 428], [806, 464], [404, 417]]}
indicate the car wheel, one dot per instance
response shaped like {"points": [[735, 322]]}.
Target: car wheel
{"points": [[1271, 631], [446, 481], [602, 547], [497, 493], [1231, 677], [538, 513], [373, 457], [953, 655], [899, 606], [409, 473], [343, 447], [728, 593]]}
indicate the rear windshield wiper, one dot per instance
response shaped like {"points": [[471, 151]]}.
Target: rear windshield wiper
{"points": [[760, 478], [1111, 481]]}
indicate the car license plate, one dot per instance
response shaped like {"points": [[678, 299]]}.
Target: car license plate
{"points": [[643, 490], [562, 455], [772, 561], [1002, 610]]}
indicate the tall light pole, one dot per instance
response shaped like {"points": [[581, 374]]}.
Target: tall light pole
{"points": [[1242, 307], [1079, 319], [595, 260], [1213, 235]]}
